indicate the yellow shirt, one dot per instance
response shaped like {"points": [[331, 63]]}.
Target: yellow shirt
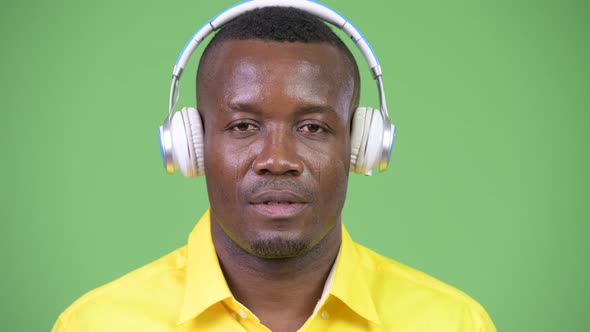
{"points": [[186, 291]]}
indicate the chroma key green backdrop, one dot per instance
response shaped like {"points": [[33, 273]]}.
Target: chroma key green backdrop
{"points": [[488, 185]]}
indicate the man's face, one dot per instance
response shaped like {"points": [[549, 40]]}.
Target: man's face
{"points": [[277, 142]]}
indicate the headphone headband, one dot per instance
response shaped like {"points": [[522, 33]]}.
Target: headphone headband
{"points": [[317, 9]]}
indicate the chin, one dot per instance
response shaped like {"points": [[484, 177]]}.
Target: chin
{"points": [[278, 246]]}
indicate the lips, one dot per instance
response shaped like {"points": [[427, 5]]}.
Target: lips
{"points": [[277, 197], [278, 204]]}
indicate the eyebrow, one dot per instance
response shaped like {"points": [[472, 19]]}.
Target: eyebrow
{"points": [[250, 108], [241, 107]]}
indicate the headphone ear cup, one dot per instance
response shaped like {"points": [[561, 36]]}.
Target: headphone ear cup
{"points": [[186, 131], [180, 146], [357, 137], [366, 140], [194, 136]]}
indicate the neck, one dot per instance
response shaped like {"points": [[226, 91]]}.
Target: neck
{"points": [[284, 290]]}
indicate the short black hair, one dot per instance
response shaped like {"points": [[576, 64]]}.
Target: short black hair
{"points": [[282, 24]]}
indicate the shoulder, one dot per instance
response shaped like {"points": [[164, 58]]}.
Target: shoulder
{"points": [[416, 298], [155, 289]]}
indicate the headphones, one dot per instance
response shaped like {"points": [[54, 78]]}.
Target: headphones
{"points": [[181, 134]]}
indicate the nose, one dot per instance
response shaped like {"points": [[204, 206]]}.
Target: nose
{"points": [[278, 154]]}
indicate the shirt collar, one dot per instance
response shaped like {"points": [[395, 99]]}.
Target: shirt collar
{"points": [[350, 282], [205, 283]]}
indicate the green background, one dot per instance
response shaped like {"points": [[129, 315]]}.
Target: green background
{"points": [[487, 190]]}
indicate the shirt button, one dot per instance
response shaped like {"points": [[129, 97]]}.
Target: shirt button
{"points": [[242, 313], [234, 315], [325, 315]]}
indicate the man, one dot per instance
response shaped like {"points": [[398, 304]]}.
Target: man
{"points": [[276, 91]]}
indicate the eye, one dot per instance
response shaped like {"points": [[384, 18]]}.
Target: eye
{"points": [[243, 127], [311, 128]]}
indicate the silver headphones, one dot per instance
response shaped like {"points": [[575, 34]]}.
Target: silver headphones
{"points": [[181, 134]]}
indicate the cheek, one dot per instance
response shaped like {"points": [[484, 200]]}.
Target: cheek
{"points": [[224, 168], [222, 159], [331, 173]]}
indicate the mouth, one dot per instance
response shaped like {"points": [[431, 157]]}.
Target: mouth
{"points": [[278, 204]]}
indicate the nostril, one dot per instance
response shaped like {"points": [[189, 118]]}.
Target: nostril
{"points": [[278, 164]]}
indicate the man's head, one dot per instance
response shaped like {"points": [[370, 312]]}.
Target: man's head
{"points": [[276, 90]]}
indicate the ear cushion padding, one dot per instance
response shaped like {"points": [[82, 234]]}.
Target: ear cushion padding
{"points": [[180, 146], [374, 146], [358, 138], [194, 135]]}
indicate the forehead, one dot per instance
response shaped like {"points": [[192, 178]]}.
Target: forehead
{"points": [[317, 71]]}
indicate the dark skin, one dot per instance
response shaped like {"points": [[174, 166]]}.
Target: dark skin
{"points": [[277, 149]]}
